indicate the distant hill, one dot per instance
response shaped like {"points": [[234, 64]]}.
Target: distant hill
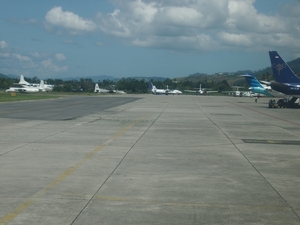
{"points": [[13, 76], [231, 78], [294, 64], [235, 78], [94, 78], [150, 78], [4, 76]]}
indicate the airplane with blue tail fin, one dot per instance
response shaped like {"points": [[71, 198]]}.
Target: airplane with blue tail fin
{"points": [[261, 89], [286, 80]]}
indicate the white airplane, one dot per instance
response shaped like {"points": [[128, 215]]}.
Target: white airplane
{"points": [[24, 83], [120, 92], [27, 89], [201, 91], [175, 92], [167, 91], [101, 90], [236, 93]]}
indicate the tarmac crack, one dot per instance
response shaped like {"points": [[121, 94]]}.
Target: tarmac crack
{"points": [[123, 158], [31, 200], [253, 166]]}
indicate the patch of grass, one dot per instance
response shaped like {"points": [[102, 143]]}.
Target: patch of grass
{"points": [[11, 97]]}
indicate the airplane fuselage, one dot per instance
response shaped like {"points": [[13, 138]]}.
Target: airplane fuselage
{"points": [[160, 92], [261, 90], [287, 88], [23, 90]]}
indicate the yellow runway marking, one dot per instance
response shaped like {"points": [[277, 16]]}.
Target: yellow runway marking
{"points": [[12, 215]]}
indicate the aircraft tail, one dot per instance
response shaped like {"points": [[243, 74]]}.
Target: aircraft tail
{"points": [[150, 86], [282, 73], [42, 86], [97, 89], [252, 81], [23, 81]]}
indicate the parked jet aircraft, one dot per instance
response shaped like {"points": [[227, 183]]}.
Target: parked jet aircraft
{"points": [[256, 87], [24, 83], [200, 91], [286, 80], [27, 89], [167, 91]]}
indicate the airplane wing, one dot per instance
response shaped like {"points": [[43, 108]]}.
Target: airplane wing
{"points": [[191, 91], [175, 92], [265, 82]]}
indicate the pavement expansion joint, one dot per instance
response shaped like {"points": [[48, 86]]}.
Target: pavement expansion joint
{"points": [[278, 142]]}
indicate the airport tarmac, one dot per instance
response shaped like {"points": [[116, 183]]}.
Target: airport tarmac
{"points": [[146, 159]]}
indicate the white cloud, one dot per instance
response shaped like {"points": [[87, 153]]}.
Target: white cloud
{"points": [[188, 25], [48, 64], [244, 17], [179, 25], [99, 44], [37, 55], [14, 62], [60, 57], [181, 43], [69, 21], [21, 58], [235, 39], [3, 44], [118, 25], [5, 55]]}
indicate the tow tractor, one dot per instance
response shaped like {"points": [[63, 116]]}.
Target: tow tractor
{"points": [[293, 102], [273, 103], [288, 103]]}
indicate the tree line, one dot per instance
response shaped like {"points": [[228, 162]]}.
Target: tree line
{"points": [[133, 85], [129, 85]]}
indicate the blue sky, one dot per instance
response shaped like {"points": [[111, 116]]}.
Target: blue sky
{"points": [[141, 38]]}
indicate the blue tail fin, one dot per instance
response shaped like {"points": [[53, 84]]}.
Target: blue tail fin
{"points": [[252, 81], [150, 86], [282, 73]]}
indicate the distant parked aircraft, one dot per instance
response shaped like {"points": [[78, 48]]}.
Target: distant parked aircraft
{"points": [[236, 93], [102, 90], [27, 89], [201, 91], [26, 84], [167, 91], [262, 89]]}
